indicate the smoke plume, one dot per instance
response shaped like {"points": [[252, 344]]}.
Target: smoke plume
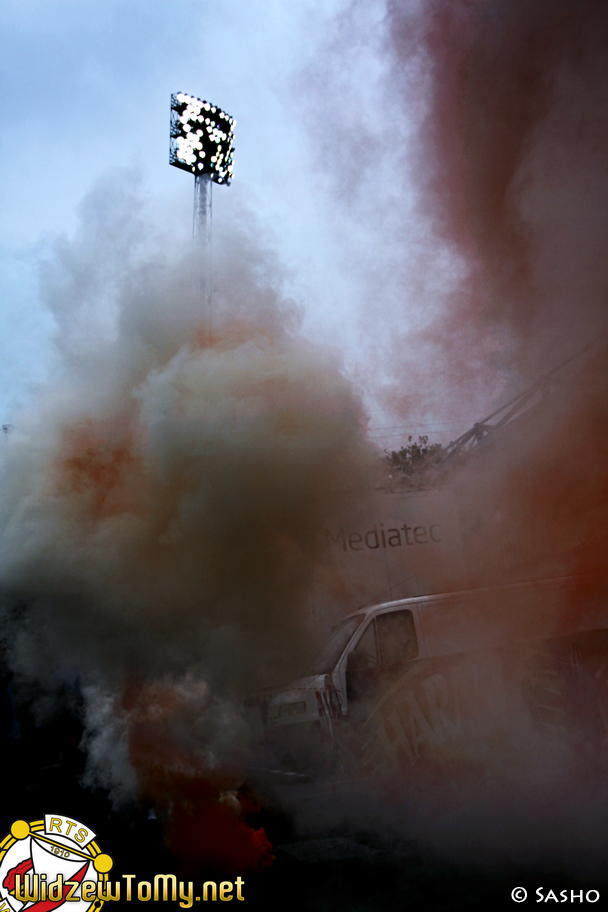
{"points": [[475, 152], [511, 156], [486, 148], [162, 505]]}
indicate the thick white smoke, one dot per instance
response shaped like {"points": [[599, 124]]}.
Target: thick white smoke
{"points": [[161, 507]]}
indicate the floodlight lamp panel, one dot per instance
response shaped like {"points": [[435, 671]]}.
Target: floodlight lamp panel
{"points": [[201, 151]]}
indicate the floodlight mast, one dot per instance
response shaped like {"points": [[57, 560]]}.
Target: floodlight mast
{"points": [[202, 243], [202, 142]]}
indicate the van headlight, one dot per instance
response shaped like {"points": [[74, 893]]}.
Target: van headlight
{"points": [[292, 709]]}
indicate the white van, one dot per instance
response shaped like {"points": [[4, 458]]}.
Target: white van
{"points": [[422, 661]]}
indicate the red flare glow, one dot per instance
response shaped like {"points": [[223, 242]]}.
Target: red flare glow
{"points": [[201, 828]]}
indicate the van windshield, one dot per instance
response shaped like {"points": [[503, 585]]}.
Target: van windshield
{"points": [[326, 661]]}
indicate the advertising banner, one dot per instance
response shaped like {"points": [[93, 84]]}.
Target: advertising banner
{"points": [[387, 546]]}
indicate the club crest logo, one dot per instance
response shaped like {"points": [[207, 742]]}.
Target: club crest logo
{"points": [[48, 863]]}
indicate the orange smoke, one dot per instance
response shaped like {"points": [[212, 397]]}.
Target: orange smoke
{"points": [[511, 159], [163, 512], [203, 811], [100, 467]]}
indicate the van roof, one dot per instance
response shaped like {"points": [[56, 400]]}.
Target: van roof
{"points": [[441, 596]]}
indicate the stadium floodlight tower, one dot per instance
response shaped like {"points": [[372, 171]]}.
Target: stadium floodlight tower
{"points": [[202, 142]]}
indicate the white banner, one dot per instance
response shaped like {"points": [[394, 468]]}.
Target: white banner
{"points": [[387, 546]]}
